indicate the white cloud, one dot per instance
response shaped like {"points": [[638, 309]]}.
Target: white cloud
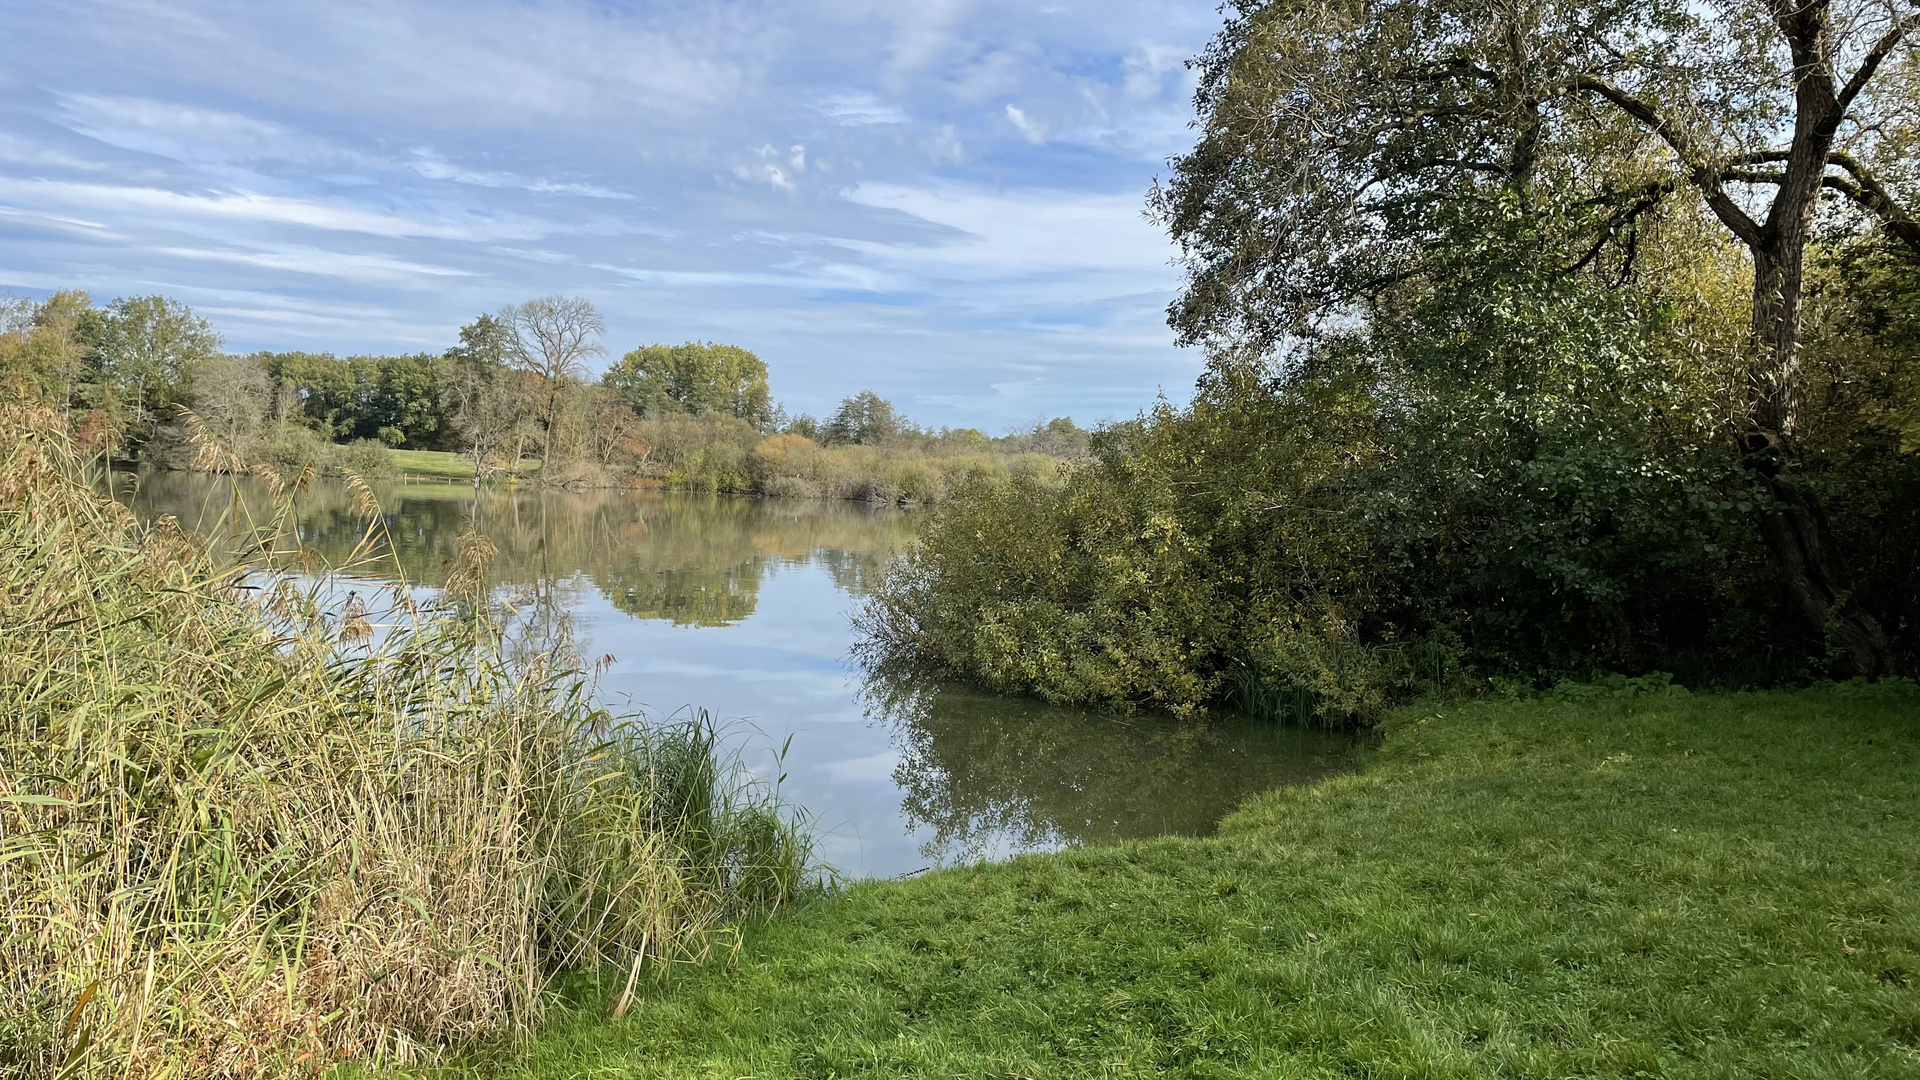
{"points": [[379, 269], [252, 207], [1020, 234], [859, 109], [186, 133], [945, 147], [1032, 130], [823, 277], [52, 219], [434, 167]]}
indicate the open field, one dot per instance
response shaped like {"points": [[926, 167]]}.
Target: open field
{"points": [[443, 464], [1655, 885]]}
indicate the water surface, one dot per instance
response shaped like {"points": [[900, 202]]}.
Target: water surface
{"points": [[742, 607]]}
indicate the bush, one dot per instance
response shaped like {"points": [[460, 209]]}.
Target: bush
{"points": [[368, 459], [717, 453]]}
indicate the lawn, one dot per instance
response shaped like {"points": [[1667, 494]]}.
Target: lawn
{"points": [[440, 464], [1648, 885]]}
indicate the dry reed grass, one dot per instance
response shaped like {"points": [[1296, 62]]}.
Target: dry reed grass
{"points": [[242, 835]]}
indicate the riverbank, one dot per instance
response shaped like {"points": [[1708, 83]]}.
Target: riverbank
{"points": [[1674, 885]]}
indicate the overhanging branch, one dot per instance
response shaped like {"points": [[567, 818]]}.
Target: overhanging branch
{"points": [[1866, 192], [1702, 170], [1877, 55]]}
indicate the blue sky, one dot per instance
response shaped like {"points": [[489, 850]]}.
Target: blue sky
{"points": [[940, 200]]}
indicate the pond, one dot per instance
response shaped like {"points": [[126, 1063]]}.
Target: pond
{"points": [[743, 607]]}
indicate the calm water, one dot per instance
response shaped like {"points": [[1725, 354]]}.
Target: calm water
{"points": [[741, 606]]}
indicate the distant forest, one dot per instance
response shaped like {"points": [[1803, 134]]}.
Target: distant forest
{"points": [[150, 382]]}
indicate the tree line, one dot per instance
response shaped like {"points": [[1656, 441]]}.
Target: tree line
{"points": [[146, 377]]}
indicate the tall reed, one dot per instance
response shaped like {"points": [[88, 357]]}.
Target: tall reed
{"points": [[243, 835]]}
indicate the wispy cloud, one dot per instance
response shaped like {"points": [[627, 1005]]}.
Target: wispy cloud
{"points": [[186, 133], [1034, 131], [256, 208], [434, 167], [378, 269], [861, 109]]}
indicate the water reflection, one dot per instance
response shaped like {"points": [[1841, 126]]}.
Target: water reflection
{"points": [[989, 775], [741, 606], [691, 560]]}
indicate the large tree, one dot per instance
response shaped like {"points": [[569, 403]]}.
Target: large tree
{"points": [[1345, 142], [864, 418], [700, 378], [151, 347], [553, 337], [487, 405]]}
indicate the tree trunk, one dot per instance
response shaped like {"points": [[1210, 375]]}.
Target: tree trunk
{"points": [[1797, 531], [546, 443]]}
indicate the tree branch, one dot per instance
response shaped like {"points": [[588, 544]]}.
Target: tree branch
{"points": [[1636, 203], [1442, 70], [1749, 176], [1702, 172], [1870, 64], [1423, 165], [1867, 192]]}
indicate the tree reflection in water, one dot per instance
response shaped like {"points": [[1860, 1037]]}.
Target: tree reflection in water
{"points": [[992, 775], [691, 560]]}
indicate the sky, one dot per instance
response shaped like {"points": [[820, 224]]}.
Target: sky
{"points": [[941, 200]]}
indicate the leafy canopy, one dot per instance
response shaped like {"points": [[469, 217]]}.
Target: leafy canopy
{"points": [[698, 378]]}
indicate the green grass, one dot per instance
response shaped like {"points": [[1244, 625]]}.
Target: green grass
{"points": [[442, 464], [1661, 885]]}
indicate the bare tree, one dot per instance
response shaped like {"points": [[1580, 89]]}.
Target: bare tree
{"points": [[613, 427], [553, 337], [16, 314], [230, 395]]}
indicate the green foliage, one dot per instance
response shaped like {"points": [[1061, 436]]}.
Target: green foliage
{"points": [[1650, 885], [150, 346], [720, 453], [1862, 425], [1349, 154], [863, 419], [697, 378], [400, 400], [1512, 475]]}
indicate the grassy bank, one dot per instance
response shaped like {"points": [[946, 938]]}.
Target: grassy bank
{"points": [[1660, 885], [444, 465], [432, 464], [250, 833]]}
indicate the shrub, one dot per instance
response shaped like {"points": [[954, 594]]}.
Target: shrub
{"points": [[368, 459]]}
